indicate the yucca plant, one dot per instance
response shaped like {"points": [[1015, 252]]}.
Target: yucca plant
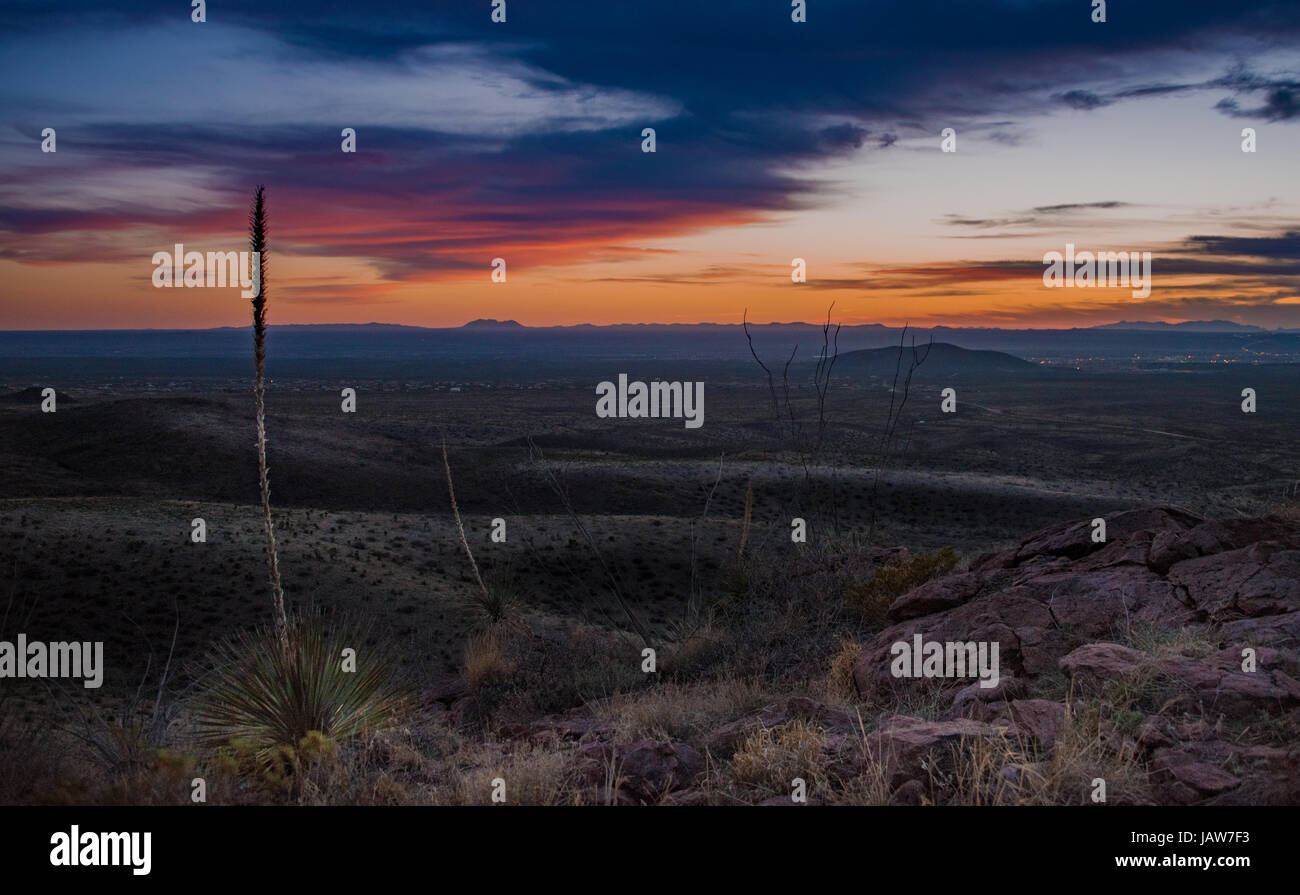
{"points": [[268, 699], [257, 246], [271, 688]]}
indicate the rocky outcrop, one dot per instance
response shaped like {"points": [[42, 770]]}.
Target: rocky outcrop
{"points": [[1164, 657], [1057, 603], [1058, 590]]}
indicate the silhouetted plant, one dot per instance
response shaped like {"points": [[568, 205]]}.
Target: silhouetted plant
{"points": [[257, 245]]}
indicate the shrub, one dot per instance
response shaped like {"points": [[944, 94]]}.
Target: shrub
{"points": [[873, 598], [497, 603], [840, 684], [260, 695], [486, 659]]}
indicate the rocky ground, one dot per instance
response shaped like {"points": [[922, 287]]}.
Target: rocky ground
{"points": [[1157, 667], [1162, 662]]}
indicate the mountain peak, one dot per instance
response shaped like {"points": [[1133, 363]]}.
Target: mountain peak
{"points": [[492, 323]]}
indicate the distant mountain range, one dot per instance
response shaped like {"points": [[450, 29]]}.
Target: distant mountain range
{"points": [[491, 324], [394, 350], [1189, 326]]}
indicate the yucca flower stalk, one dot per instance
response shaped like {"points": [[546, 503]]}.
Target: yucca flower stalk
{"points": [[460, 526], [749, 517], [257, 245]]}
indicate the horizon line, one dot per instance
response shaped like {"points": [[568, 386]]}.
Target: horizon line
{"points": [[480, 324]]}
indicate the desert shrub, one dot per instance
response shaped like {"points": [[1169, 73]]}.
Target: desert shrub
{"points": [[486, 659], [27, 754], [120, 765], [496, 603], [266, 698], [840, 685], [770, 758], [1287, 509], [872, 598], [160, 777], [279, 772], [557, 668]]}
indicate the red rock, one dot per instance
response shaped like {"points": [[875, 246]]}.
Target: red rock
{"points": [[1260, 580], [1204, 778], [935, 596], [1214, 536], [1040, 720], [1103, 661]]}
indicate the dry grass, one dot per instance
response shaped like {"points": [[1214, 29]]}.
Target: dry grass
{"points": [[533, 775], [487, 658], [1168, 643], [1008, 771], [674, 711], [840, 686], [770, 759]]}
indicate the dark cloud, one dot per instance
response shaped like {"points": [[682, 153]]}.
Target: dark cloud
{"points": [[1079, 206], [1007, 138], [844, 136], [1153, 90], [1084, 99], [1279, 97], [1270, 262], [756, 92], [959, 221], [1280, 104], [1036, 217], [1282, 246]]}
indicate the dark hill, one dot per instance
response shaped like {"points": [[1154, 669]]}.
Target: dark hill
{"points": [[33, 396], [492, 323], [940, 359]]}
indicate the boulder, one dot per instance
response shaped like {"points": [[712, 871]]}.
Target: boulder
{"points": [[935, 596], [645, 771], [1102, 661], [1039, 721], [1262, 579]]}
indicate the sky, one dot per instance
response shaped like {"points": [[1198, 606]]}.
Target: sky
{"points": [[774, 140]]}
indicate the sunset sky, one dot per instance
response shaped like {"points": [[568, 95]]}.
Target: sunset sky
{"points": [[775, 140]]}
